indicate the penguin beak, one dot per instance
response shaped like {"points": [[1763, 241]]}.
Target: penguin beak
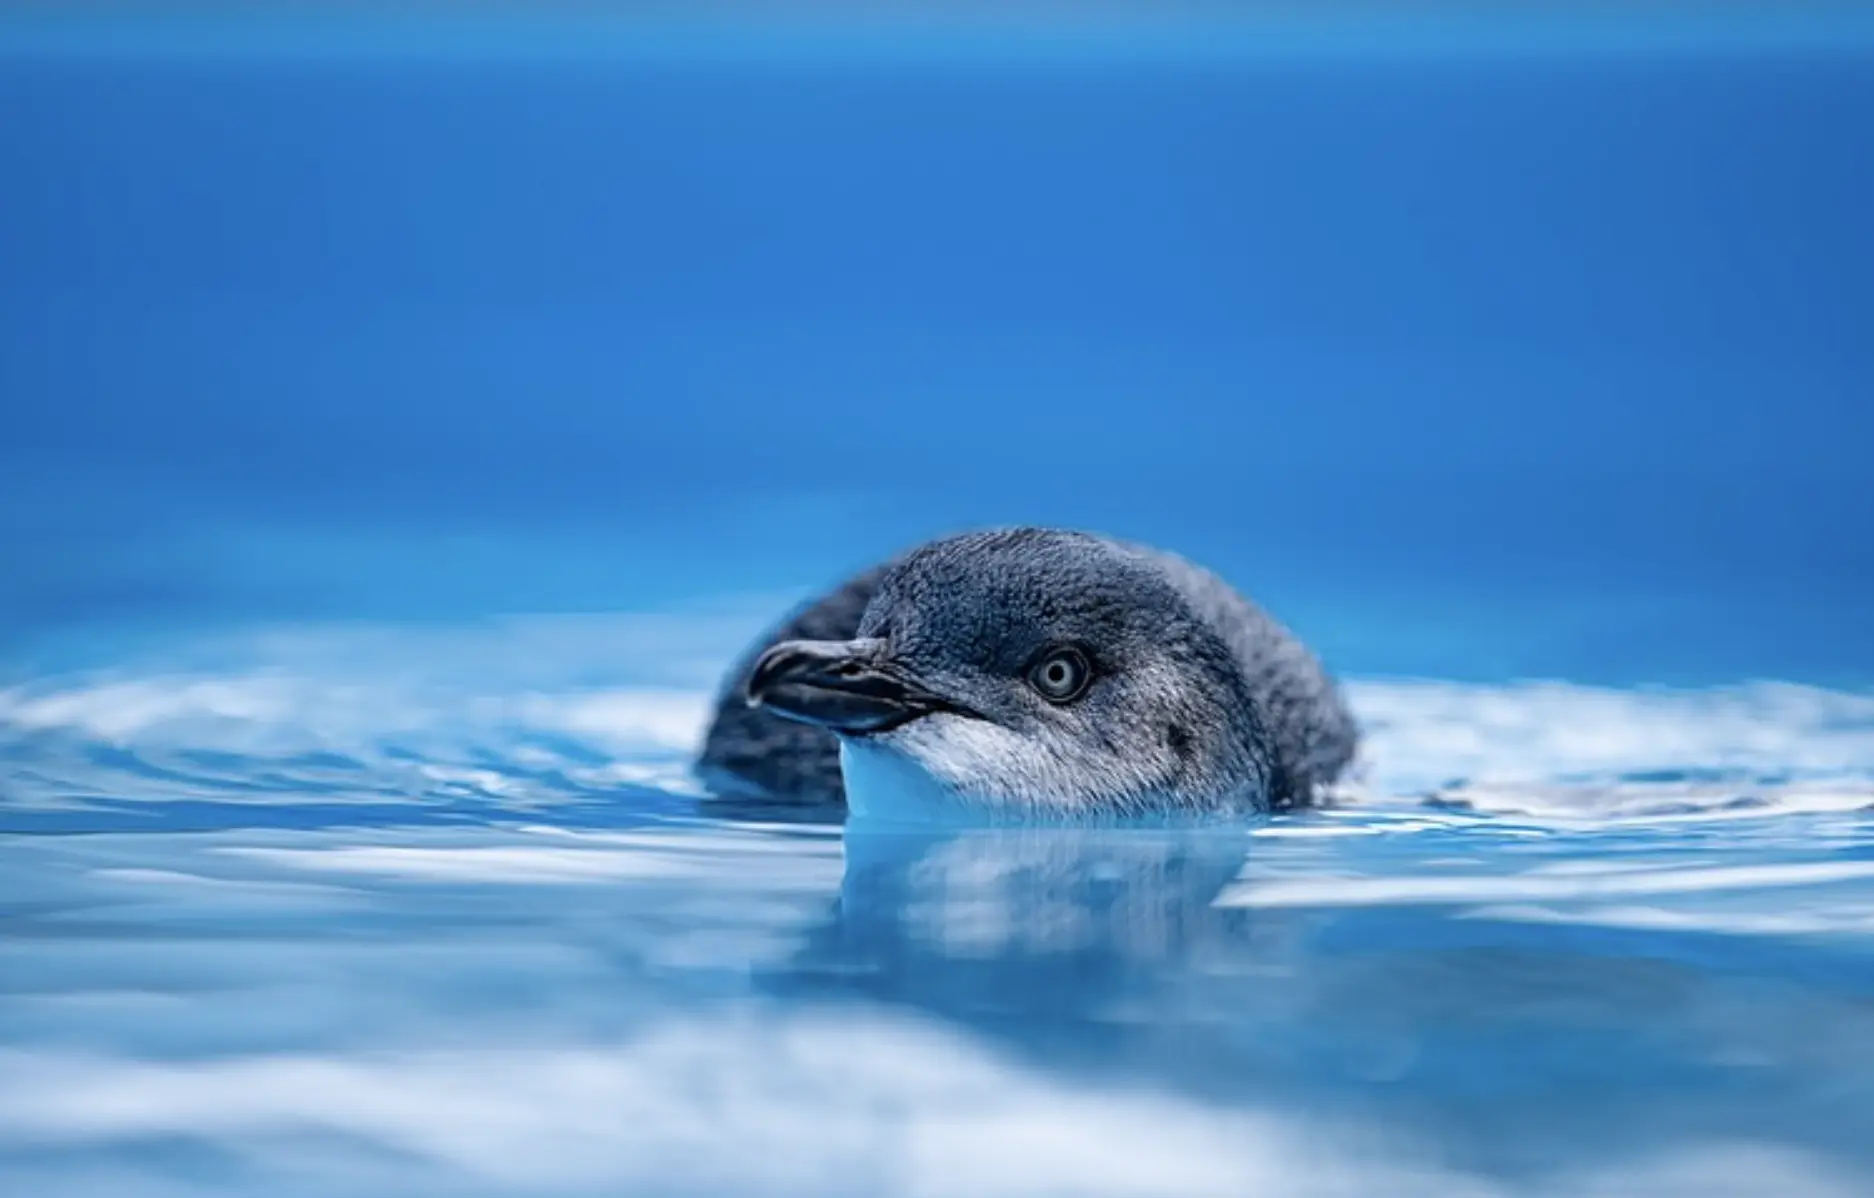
{"points": [[848, 687]]}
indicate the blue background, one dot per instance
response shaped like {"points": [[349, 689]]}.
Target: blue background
{"points": [[1471, 358]]}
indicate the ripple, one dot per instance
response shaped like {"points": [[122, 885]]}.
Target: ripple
{"points": [[814, 1102], [518, 717]]}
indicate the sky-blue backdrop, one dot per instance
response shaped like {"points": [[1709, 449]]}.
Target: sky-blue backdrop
{"points": [[1533, 359]]}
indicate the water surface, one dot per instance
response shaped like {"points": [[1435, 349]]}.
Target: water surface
{"points": [[404, 428]]}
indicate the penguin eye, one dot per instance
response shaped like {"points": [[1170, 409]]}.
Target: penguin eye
{"points": [[1061, 676]]}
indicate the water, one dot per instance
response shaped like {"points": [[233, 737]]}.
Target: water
{"points": [[405, 426]]}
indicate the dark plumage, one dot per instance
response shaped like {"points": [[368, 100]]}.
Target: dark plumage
{"points": [[1041, 670], [751, 749]]}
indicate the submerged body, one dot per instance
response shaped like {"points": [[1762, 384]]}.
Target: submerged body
{"points": [[1034, 671]]}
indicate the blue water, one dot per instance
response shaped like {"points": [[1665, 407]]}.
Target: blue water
{"points": [[406, 420]]}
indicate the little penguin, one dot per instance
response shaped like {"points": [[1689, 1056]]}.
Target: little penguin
{"points": [[1033, 671]]}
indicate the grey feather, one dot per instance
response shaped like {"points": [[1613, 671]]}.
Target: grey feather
{"points": [[1212, 699]]}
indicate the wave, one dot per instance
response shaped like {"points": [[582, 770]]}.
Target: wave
{"points": [[754, 1102], [527, 716]]}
